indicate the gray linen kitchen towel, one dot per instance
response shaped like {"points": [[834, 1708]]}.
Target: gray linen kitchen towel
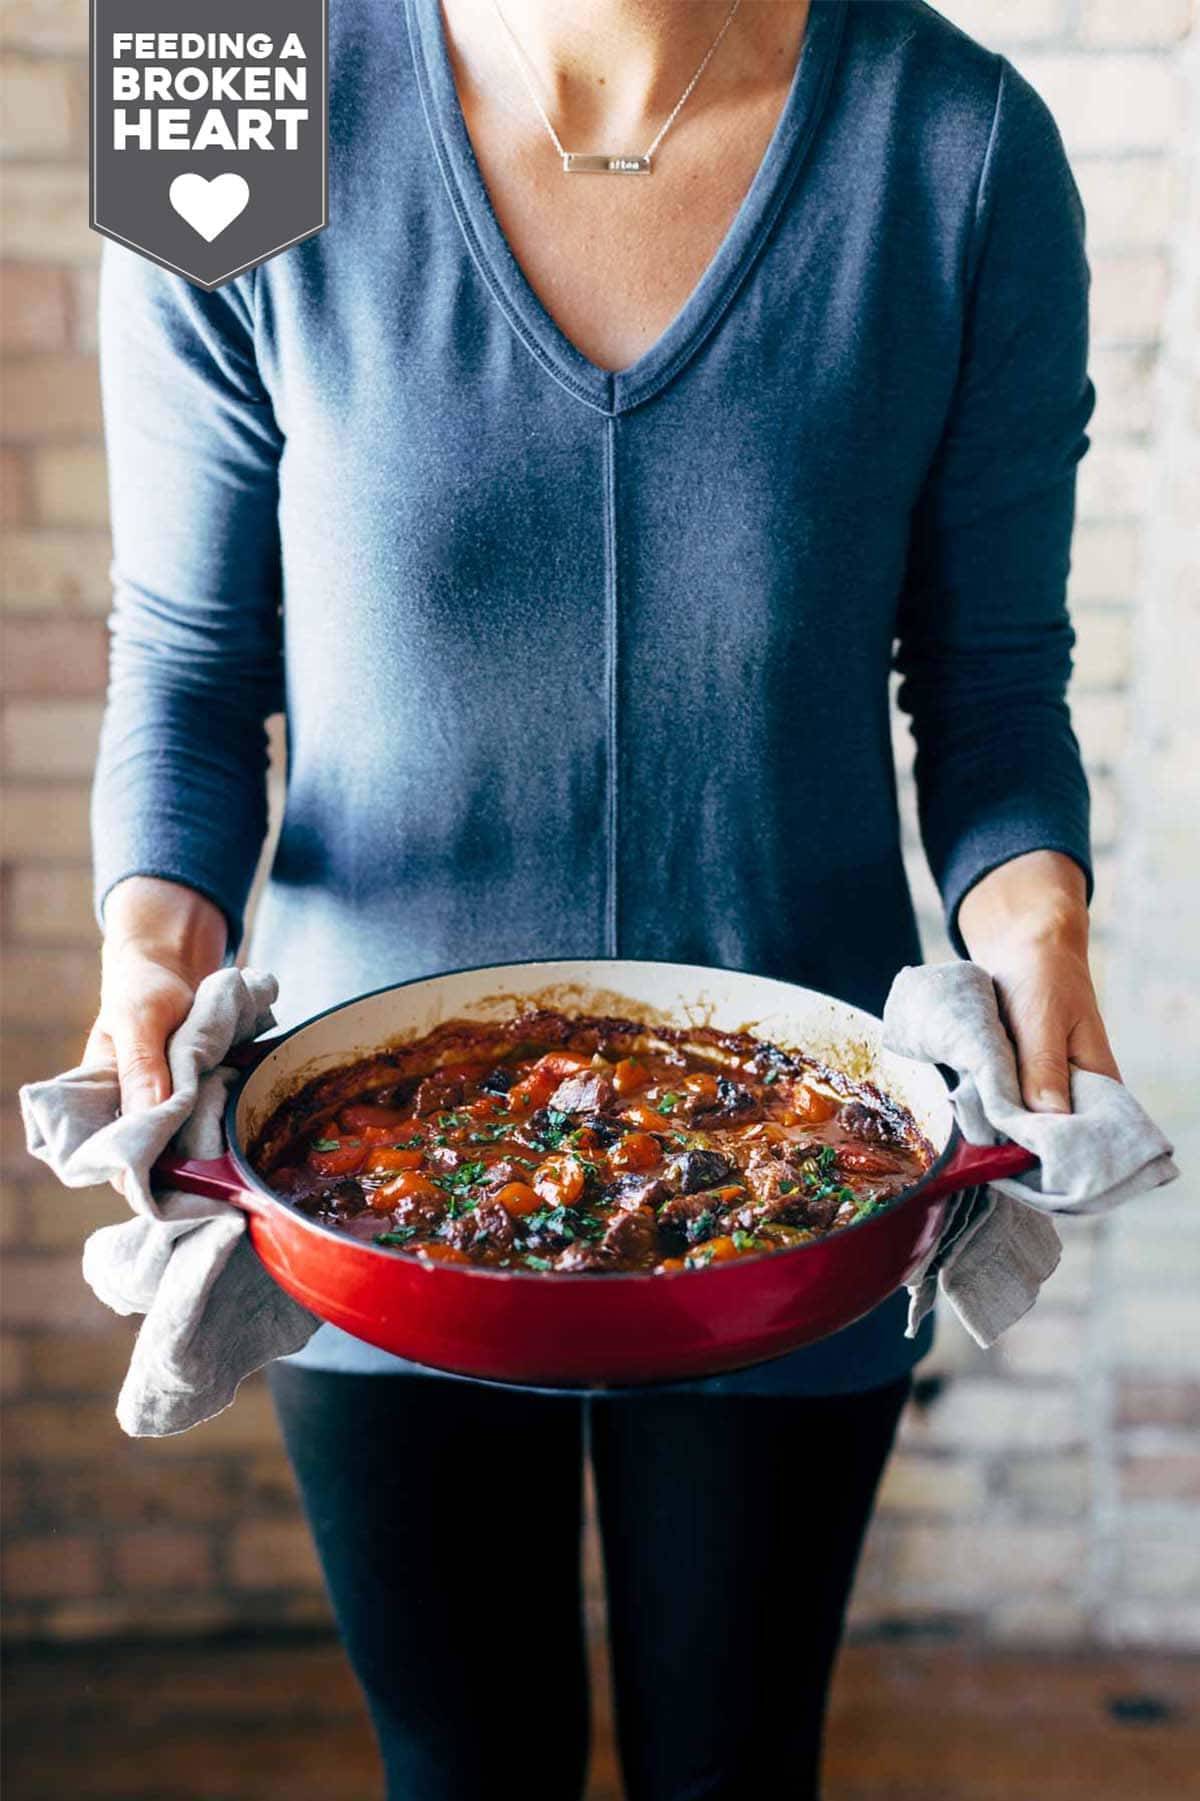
{"points": [[999, 1244], [212, 1313]]}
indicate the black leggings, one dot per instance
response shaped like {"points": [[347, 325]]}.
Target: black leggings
{"points": [[447, 1518]]}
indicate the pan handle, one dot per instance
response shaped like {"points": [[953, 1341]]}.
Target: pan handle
{"points": [[217, 1177], [974, 1165]]}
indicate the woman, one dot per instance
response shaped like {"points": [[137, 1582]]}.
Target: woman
{"points": [[572, 523]]}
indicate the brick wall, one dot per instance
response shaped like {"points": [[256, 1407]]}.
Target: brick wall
{"points": [[1049, 1491]]}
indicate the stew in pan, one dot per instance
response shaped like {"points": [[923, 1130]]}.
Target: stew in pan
{"points": [[581, 1143]]}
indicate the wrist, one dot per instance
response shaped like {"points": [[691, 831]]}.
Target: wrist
{"points": [[1034, 901], [166, 922]]}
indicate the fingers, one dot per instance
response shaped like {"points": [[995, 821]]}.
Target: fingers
{"points": [[139, 1042], [1044, 1071], [1090, 1049]]}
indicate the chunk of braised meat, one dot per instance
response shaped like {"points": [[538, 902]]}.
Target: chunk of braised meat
{"points": [[870, 1123], [868, 1160], [778, 1193], [343, 1199], [637, 1190], [733, 1104], [629, 1240], [632, 1237], [579, 1257], [693, 1170], [502, 1171], [487, 1223], [437, 1091], [587, 1091], [692, 1217], [421, 1210]]}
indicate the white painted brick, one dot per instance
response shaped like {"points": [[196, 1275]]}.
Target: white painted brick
{"points": [[1015, 22], [962, 1566], [987, 1414], [931, 1485], [47, 25], [1102, 648], [1048, 1342], [1102, 726], [1107, 103], [1125, 399], [1058, 1486], [1133, 22], [1104, 559], [36, 119], [1127, 200], [1129, 296], [1115, 482]]}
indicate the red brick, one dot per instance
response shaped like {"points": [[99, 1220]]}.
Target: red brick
{"points": [[50, 903], [274, 1554], [48, 1432], [85, 285], [51, 397], [42, 571], [56, 1565], [70, 486], [134, 1487], [36, 314], [48, 1291], [53, 656], [38, 110], [57, 984], [45, 214], [51, 738], [163, 1558], [60, 1363], [49, 25], [45, 821], [1169, 1401], [16, 488]]}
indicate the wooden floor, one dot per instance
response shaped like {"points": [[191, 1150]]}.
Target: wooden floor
{"points": [[280, 1720]]}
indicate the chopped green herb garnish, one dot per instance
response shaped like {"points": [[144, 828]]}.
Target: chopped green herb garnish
{"points": [[401, 1235], [326, 1144], [537, 1262], [668, 1103], [745, 1241]]}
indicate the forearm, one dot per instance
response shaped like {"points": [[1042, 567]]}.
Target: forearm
{"points": [[171, 924], [1038, 898]]}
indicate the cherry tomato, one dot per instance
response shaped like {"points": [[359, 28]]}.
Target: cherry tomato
{"points": [[393, 1161], [721, 1250], [442, 1253], [559, 1181], [407, 1186], [344, 1160], [363, 1118], [647, 1118], [637, 1150], [806, 1106], [630, 1076], [532, 1092], [701, 1084], [519, 1199]]}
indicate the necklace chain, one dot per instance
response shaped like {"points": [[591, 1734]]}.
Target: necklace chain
{"points": [[526, 72]]}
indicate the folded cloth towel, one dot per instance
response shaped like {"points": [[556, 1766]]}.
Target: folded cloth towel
{"points": [[213, 1314], [999, 1244]]}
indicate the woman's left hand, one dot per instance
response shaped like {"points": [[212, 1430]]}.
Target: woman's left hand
{"points": [[1026, 923]]}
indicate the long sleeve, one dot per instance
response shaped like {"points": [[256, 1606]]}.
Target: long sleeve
{"points": [[193, 451], [984, 638]]}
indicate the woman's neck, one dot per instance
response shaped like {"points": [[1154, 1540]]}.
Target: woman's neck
{"points": [[615, 66]]}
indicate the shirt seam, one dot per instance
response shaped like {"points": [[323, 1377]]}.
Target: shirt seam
{"points": [[612, 803]]}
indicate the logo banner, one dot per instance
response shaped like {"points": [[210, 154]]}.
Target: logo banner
{"points": [[210, 130]]}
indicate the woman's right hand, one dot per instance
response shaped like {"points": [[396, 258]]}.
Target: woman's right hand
{"points": [[160, 941]]}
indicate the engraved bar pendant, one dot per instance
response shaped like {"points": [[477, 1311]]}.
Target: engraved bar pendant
{"points": [[574, 164]]}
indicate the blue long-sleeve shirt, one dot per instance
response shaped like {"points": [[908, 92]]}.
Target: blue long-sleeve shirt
{"points": [[582, 664]]}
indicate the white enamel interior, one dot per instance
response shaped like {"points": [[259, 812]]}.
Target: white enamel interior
{"points": [[677, 993]]}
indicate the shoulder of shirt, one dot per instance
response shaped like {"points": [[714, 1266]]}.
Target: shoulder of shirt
{"points": [[944, 84]]}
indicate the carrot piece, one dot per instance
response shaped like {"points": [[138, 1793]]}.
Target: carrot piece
{"points": [[342, 1159], [637, 1150], [519, 1199], [630, 1076], [391, 1160]]}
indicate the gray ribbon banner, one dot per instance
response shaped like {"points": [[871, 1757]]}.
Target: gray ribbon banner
{"points": [[210, 130]]}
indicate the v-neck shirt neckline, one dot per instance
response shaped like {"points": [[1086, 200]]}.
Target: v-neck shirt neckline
{"points": [[617, 391]]}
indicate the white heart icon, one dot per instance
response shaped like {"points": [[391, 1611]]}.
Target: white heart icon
{"points": [[209, 206]]}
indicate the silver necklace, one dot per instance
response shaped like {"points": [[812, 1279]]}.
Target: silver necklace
{"points": [[572, 161]]}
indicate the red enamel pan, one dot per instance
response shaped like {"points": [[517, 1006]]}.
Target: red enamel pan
{"points": [[591, 1331]]}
